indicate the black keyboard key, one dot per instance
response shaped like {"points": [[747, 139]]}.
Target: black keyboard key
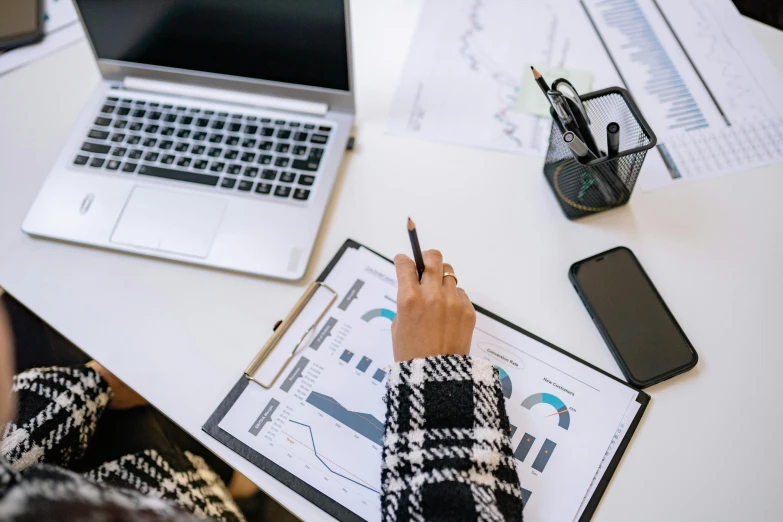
{"points": [[123, 111], [299, 150], [251, 118], [192, 177], [200, 136], [154, 115], [316, 153], [248, 157], [267, 131], [119, 151], [186, 120], [165, 144], [151, 156], [300, 136], [287, 177], [154, 104], [248, 143], [133, 139], [265, 120], [170, 118], [309, 126], [306, 179], [319, 139], [228, 182], [218, 124], [150, 142], [283, 134], [282, 192], [108, 109], [294, 124], [324, 128], [217, 166], [202, 122], [270, 174], [127, 100], [181, 108], [113, 165], [214, 152], [120, 124], [135, 126], [245, 186], [279, 122], [80, 160], [117, 137], [209, 113], [98, 134], [167, 131], [231, 154], [266, 145], [265, 159], [168, 159], [200, 164], [197, 149], [195, 110], [184, 162], [135, 154], [282, 162], [301, 194], [141, 102], [282, 147], [231, 141], [139, 113], [234, 127], [250, 172], [215, 138], [151, 129], [168, 106], [96, 148], [112, 99], [223, 114], [263, 188], [251, 129], [97, 162], [234, 168], [236, 116], [129, 167], [181, 147], [183, 133], [308, 165]]}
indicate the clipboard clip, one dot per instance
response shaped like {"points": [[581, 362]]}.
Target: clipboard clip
{"points": [[282, 327]]}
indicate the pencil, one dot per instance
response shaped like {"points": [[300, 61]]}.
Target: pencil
{"points": [[416, 247], [540, 80]]}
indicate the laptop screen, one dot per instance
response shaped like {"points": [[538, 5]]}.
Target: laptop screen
{"points": [[291, 41]]}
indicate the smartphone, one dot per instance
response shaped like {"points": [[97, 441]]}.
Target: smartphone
{"points": [[639, 328], [21, 23]]}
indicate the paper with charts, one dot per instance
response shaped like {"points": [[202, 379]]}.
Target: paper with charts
{"points": [[324, 419], [703, 82]]}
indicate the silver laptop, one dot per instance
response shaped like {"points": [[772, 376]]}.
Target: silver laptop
{"points": [[215, 136]]}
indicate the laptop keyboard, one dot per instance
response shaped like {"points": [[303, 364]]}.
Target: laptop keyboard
{"points": [[233, 152]]}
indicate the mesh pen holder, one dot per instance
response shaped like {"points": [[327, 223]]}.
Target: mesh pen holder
{"points": [[604, 183]]}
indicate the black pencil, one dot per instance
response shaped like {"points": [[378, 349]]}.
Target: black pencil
{"points": [[540, 80], [416, 247]]}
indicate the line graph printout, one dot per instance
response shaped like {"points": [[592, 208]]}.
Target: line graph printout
{"points": [[326, 426], [468, 59]]}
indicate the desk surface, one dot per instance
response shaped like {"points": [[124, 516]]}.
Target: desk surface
{"points": [[709, 447]]}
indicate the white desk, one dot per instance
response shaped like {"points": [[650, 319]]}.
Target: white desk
{"points": [[709, 447]]}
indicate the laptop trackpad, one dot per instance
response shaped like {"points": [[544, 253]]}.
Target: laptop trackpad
{"points": [[169, 221]]}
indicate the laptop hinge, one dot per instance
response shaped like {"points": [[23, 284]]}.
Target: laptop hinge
{"points": [[237, 97]]}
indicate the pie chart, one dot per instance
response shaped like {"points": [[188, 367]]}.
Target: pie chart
{"points": [[505, 382]]}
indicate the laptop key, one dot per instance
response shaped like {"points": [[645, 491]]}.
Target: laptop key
{"points": [[120, 124], [287, 177], [152, 129], [309, 164], [197, 149], [266, 145], [250, 172], [170, 118], [95, 147], [80, 160], [135, 154], [282, 147], [300, 136], [309, 126], [154, 115], [181, 147], [324, 128], [279, 122], [180, 175], [129, 167], [200, 136], [217, 166], [119, 151], [282, 162], [150, 142], [306, 179], [133, 139], [183, 133], [151, 156], [270, 174], [248, 143], [184, 162], [234, 168], [214, 152], [319, 138], [283, 134], [263, 188], [251, 129], [267, 131], [102, 122], [228, 182], [186, 120], [265, 159], [248, 157], [139, 113], [232, 140], [117, 137], [98, 134], [216, 138], [168, 159], [113, 165], [301, 194], [218, 124], [167, 131], [135, 126], [123, 111], [282, 192], [202, 122], [299, 150], [234, 127], [112, 99], [165, 144], [231, 154], [294, 124], [200, 164], [245, 186], [97, 162]]}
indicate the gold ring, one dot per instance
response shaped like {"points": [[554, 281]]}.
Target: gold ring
{"points": [[449, 274]]}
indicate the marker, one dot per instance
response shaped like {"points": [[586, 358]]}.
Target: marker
{"points": [[613, 139]]}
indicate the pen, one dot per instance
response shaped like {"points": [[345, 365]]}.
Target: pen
{"points": [[583, 153], [416, 247], [613, 139], [540, 80]]}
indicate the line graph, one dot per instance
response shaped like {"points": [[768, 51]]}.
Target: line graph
{"points": [[323, 460], [362, 423]]}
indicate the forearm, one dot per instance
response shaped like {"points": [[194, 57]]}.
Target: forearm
{"points": [[447, 454], [58, 411]]}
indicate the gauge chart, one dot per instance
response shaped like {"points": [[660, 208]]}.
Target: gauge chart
{"points": [[561, 410]]}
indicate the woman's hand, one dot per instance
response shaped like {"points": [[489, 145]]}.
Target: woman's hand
{"points": [[123, 398], [434, 317]]}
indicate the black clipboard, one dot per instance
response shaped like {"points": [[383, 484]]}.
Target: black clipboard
{"points": [[325, 502]]}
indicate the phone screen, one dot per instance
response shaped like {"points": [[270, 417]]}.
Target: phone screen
{"points": [[19, 18], [632, 314]]}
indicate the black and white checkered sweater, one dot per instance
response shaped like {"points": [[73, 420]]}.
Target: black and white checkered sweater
{"points": [[58, 413], [447, 454]]}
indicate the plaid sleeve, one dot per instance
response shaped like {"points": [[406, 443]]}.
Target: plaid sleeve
{"points": [[447, 454]]}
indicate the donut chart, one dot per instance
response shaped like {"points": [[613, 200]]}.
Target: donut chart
{"points": [[561, 410]]}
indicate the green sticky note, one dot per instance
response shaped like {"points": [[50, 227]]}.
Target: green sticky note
{"points": [[531, 100]]}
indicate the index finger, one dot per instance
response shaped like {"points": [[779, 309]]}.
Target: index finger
{"points": [[407, 275]]}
